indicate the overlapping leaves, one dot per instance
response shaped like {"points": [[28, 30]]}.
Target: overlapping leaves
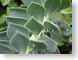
{"points": [[34, 29]]}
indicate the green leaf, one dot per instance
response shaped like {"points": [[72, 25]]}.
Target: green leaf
{"points": [[66, 30], [16, 20], [13, 4], [42, 44], [39, 2], [18, 12], [29, 2], [50, 44], [6, 49], [67, 19], [20, 42], [37, 12], [3, 29], [13, 27], [67, 10], [34, 26], [3, 35], [52, 30], [52, 5], [51, 26], [4, 41], [4, 2], [38, 48], [2, 19], [65, 4]]}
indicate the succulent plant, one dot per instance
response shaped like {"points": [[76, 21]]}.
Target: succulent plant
{"points": [[36, 29]]}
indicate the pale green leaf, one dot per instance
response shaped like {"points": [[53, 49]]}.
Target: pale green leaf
{"points": [[52, 30], [51, 26], [67, 10], [6, 49], [20, 42], [29, 2], [34, 26], [18, 12], [50, 44], [13, 27], [3, 35], [16, 20], [37, 12], [52, 5]]}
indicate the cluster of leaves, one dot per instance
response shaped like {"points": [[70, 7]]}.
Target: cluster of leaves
{"points": [[36, 27]]}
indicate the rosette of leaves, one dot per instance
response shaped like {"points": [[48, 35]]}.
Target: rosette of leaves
{"points": [[35, 29]]}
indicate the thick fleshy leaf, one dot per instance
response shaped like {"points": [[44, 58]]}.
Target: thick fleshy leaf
{"points": [[50, 44], [52, 5], [56, 16], [38, 48], [20, 42], [29, 2], [6, 49], [19, 12], [16, 20], [4, 41], [3, 35], [37, 12], [34, 26], [42, 45], [51, 26], [52, 30], [39, 2], [13, 27]]}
